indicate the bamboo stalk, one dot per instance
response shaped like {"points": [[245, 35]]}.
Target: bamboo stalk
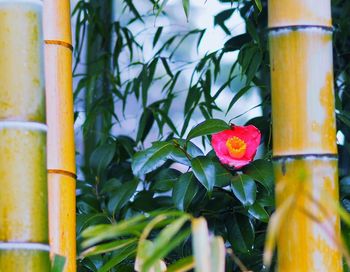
{"points": [[61, 150], [23, 179], [304, 133], [99, 67]]}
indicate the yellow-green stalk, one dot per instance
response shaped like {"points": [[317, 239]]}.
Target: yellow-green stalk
{"points": [[23, 178], [304, 134]]}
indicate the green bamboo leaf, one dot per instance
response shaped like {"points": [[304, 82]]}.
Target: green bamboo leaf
{"points": [[162, 6], [119, 257], [237, 42], [58, 263], [99, 233], [218, 254], [144, 249], [237, 96], [254, 66], [150, 159], [201, 244], [145, 125], [167, 240], [182, 265], [204, 170], [157, 35], [167, 120], [193, 97], [111, 246], [275, 226], [207, 127], [167, 67], [258, 4], [186, 6], [244, 188], [223, 16], [133, 9], [252, 30]]}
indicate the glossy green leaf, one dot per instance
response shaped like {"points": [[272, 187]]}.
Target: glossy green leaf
{"points": [[204, 170], [122, 195], [244, 188], [207, 127], [102, 156], [240, 232], [185, 190], [344, 186], [222, 176], [261, 171], [259, 212], [164, 180], [150, 159]]}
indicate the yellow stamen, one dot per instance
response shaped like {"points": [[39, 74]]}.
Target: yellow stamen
{"points": [[236, 147]]}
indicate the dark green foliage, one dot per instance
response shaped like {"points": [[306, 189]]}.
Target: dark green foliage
{"points": [[130, 183], [121, 183]]}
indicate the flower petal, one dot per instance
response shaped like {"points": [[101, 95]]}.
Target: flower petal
{"points": [[249, 134]]}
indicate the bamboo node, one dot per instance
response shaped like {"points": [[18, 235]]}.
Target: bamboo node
{"points": [[64, 44]]}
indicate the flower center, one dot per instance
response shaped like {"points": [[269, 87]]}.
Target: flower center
{"points": [[236, 147]]}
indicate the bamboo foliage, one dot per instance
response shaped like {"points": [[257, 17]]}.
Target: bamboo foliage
{"points": [[304, 133], [209, 252], [61, 151], [23, 180]]}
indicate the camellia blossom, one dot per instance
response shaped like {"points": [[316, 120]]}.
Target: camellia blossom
{"points": [[237, 146]]}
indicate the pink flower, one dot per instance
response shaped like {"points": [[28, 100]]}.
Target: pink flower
{"points": [[237, 146]]}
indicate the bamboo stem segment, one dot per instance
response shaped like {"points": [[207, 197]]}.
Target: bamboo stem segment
{"points": [[23, 179], [61, 150], [304, 133]]}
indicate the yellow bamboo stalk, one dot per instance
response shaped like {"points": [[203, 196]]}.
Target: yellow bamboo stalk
{"points": [[304, 133], [23, 180], [61, 151]]}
